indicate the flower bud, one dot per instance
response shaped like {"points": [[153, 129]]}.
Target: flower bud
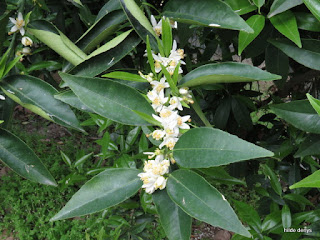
{"points": [[26, 41]]}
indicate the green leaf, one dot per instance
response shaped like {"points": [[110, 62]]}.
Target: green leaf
{"points": [[297, 198], [194, 195], [111, 44], [71, 99], [148, 118], [274, 180], [279, 6], [286, 24], [102, 62], [166, 36], [315, 103], [220, 175], [125, 76], [312, 181], [307, 21], [110, 99], [308, 56], [314, 7], [110, 6], [277, 62], [21, 159], [81, 160], [4, 17], [300, 114], [227, 72], [139, 22], [53, 38], [173, 86], [286, 216], [256, 22], [38, 96], [175, 222], [104, 190], [210, 13], [241, 6], [259, 3], [248, 214], [11, 64], [310, 146], [44, 64], [271, 220], [241, 114], [100, 30], [208, 147]]}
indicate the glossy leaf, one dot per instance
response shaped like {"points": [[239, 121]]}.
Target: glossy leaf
{"points": [[100, 30], [175, 222], [110, 6], [300, 114], [274, 180], [259, 3], [256, 22], [38, 96], [139, 21], [102, 62], [307, 21], [111, 44], [286, 24], [241, 6], [227, 72], [194, 195], [248, 214], [279, 6], [21, 159], [271, 220], [125, 76], [210, 13], [314, 7], [53, 38], [315, 103], [220, 175], [71, 99], [277, 62], [297, 198], [286, 216], [310, 146], [308, 56], [208, 147], [312, 181], [104, 190], [110, 99]]}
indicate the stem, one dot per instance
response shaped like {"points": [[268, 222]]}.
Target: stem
{"points": [[199, 112]]}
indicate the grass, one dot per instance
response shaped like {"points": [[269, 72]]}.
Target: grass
{"points": [[26, 207]]}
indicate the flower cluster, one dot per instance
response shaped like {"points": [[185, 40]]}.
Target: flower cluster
{"points": [[19, 25], [167, 107]]}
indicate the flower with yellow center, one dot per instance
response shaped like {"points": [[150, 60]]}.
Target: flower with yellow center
{"points": [[157, 27], [158, 134], [158, 86], [26, 41], [18, 24]]}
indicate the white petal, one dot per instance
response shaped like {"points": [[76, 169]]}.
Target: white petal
{"points": [[13, 20], [153, 21], [2, 97], [22, 31], [14, 29], [174, 45], [20, 17]]}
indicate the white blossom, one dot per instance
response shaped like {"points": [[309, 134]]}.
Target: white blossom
{"points": [[158, 86], [157, 100], [2, 97], [18, 24]]}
